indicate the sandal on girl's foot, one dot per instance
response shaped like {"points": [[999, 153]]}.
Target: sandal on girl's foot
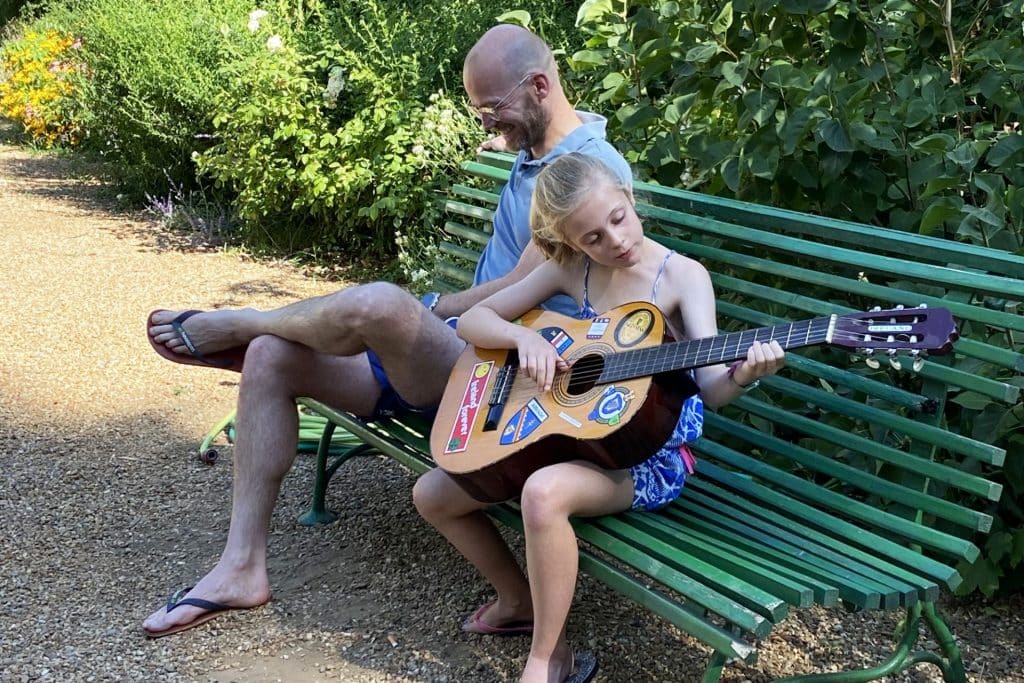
{"points": [[476, 624]]}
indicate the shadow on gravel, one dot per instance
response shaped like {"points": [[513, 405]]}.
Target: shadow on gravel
{"points": [[102, 524]]}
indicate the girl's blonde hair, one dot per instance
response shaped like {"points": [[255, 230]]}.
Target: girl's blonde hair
{"points": [[562, 187]]}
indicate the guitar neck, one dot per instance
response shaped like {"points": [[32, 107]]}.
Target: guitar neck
{"points": [[724, 348]]}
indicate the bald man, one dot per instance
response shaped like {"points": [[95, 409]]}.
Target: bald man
{"points": [[374, 349]]}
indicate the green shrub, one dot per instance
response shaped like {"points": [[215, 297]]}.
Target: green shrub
{"points": [[345, 135], [874, 111], [151, 78]]}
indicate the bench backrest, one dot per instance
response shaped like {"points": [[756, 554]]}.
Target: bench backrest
{"points": [[871, 446]]}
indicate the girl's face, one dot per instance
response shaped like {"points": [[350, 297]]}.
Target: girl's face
{"points": [[606, 228]]}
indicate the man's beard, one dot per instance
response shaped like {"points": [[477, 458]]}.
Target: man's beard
{"points": [[531, 131]]}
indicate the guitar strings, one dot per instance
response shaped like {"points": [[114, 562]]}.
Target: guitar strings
{"points": [[691, 360]]}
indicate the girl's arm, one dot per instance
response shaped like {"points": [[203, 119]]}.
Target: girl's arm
{"points": [[487, 324], [717, 386]]}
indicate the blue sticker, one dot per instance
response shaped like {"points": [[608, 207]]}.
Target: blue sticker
{"points": [[523, 423], [612, 404]]}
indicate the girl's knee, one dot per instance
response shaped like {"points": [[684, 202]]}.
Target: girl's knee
{"points": [[543, 500], [428, 495]]}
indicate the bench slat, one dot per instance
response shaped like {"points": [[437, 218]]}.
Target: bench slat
{"points": [[936, 436], [883, 295], [734, 590], [731, 505], [951, 476], [696, 505], [842, 505], [473, 235], [934, 249], [853, 476]]}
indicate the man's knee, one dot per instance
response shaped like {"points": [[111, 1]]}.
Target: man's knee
{"points": [[372, 307], [268, 354]]}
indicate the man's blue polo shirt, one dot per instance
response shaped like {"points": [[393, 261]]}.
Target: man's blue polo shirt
{"points": [[512, 217]]}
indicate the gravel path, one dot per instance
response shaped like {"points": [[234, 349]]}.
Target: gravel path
{"points": [[105, 509]]}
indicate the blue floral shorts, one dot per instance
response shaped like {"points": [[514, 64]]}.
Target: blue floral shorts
{"points": [[659, 480]]}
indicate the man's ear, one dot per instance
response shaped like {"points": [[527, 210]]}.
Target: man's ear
{"points": [[541, 85]]}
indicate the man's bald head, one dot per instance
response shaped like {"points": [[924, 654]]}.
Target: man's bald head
{"points": [[508, 52]]}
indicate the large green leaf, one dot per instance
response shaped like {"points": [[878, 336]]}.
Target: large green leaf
{"points": [[1006, 148], [835, 136]]}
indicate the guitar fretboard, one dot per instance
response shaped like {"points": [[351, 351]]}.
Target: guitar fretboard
{"points": [[699, 353]]}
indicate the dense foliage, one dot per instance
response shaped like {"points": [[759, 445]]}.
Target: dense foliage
{"points": [[40, 71], [893, 112]]}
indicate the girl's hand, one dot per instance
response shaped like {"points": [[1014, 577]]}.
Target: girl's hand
{"points": [[539, 359], [762, 359]]}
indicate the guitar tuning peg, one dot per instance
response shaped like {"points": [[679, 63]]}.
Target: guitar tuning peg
{"points": [[918, 364], [899, 307], [872, 363], [877, 308], [922, 305], [895, 363]]}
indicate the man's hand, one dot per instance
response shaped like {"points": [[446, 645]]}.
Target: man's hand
{"points": [[495, 144]]}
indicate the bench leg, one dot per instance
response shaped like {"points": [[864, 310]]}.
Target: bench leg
{"points": [[904, 658], [715, 666], [318, 512]]}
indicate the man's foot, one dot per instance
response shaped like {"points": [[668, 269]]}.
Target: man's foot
{"points": [[213, 338], [212, 596], [492, 619], [206, 331]]}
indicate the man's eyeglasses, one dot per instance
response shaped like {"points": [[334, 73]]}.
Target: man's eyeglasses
{"points": [[491, 112]]}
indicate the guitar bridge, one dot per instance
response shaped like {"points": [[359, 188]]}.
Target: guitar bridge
{"points": [[502, 388]]}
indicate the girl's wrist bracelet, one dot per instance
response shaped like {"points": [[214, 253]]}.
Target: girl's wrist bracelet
{"points": [[732, 376]]}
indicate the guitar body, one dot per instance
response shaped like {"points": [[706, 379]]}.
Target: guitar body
{"points": [[614, 425]]}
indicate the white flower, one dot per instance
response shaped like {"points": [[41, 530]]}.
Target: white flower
{"points": [[274, 43], [418, 150], [254, 19]]}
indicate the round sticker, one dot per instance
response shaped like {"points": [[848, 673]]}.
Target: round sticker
{"points": [[634, 328]]}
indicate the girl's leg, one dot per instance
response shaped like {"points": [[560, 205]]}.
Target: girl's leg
{"points": [[460, 518], [551, 495]]}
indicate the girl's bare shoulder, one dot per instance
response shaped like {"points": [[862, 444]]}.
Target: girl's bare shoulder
{"points": [[684, 273]]}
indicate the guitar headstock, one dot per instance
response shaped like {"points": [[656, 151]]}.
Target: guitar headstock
{"points": [[914, 330]]}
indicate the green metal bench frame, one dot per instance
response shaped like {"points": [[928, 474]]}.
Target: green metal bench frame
{"points": [[789, 506]]}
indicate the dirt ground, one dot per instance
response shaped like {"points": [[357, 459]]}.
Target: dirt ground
{"points": [[105, 509]]}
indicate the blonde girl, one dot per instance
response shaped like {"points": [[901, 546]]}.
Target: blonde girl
{"points": [[583, 218]]}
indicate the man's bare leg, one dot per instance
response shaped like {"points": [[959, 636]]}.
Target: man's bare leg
{"points": [[276, 372], [330, 323], [411, 342]]}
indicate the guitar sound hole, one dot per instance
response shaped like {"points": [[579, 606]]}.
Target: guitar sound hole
{"points": [[584, 374]]}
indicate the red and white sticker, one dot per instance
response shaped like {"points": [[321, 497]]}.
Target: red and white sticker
{"points": [[469, 407]]}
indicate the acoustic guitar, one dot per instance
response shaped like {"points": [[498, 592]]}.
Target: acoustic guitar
{"points": [[619, 401]]}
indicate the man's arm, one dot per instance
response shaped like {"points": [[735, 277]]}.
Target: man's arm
{"points": [[458, 303]]}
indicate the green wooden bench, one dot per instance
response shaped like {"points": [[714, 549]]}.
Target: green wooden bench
{"points": [[833, 483]]}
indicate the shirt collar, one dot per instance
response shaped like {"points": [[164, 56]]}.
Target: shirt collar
{"points": [[592, 126]]}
